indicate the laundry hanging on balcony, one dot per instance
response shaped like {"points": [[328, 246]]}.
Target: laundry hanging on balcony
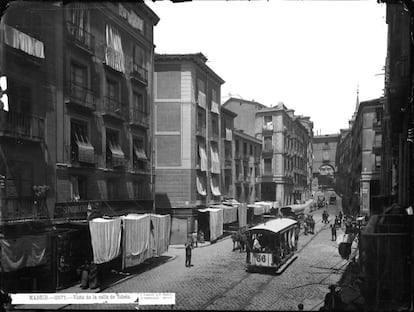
{"points": [[203, 157], [215, 107], [229, 135], [215, 161], [78, 21], [114, 54], [215, 222], [21, 41], [215, 186], [105, 239], [201, 189], [22, 252]]}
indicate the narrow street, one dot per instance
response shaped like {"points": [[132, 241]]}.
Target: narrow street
{"points": [[218, 280]]}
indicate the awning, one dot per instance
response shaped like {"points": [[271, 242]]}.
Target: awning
{"points": [[118, 155], [105, 239], [203, 157], [201, 189], [23, 42], [215, 187], [140, 153], [215, 161], [85, 152]]}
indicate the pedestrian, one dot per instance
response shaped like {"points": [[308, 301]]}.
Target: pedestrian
{"points": [[305, 227], [340, 215], [333, 231], [256, 245], [312, 225], [300, 307], [188, 248]]}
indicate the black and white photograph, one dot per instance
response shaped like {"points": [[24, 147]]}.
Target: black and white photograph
{"points": [[201, 155]]}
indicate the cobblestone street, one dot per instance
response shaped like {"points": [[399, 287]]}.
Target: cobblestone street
{"points": [[218, 280]]}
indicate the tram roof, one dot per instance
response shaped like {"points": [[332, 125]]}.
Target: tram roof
{"points": [[275, 225]]}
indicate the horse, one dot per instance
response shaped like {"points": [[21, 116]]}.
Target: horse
{"points": [[235, 238]]}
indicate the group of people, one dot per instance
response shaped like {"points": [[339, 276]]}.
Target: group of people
{"points": [[309, 225]]}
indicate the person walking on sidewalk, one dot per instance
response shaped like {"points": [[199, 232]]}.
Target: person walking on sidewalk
{"points": [[188, 248], [333, 231]]}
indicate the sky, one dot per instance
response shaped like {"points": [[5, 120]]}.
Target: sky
{"points": [[310, 55]]}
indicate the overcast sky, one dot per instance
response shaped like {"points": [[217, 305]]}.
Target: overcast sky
{"points": [[310, 55]]}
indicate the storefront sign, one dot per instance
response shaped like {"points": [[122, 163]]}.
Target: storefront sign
{"points": [[74, 210]]}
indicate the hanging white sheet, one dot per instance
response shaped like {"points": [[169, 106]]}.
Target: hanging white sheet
{"points": [[105, 239]]}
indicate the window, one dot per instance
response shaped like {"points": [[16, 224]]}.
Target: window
{"points": [[113, 189], [114, 55], [114, 155], [138, 188], [80, 147], [112, 90], [377, 161], [251, 150], [214, 125], [20, 97], [139, 57], [267, 143], [378, 139], [139, 156], [201, 93], [78, 75], [267, 166], [78, 22], [267, 119], [139, 109], [78, 188]]}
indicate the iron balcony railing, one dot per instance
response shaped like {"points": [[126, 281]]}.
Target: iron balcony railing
{"points": [[139, 73], [21, 125], [113, 107], [139, 117], [80, 36], [82, 96]]}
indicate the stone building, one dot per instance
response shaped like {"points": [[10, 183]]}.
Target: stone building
{"points": [[247, 151], [324, 154], [77, 128], [187, 138], [286, 156]]}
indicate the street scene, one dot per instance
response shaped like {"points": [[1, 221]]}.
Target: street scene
{"points": [[207, 155]]}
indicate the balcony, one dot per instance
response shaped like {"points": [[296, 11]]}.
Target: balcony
{"points": [[215, 136], [267, 128], [201, 130], [141, 166], [21, 209], [267, 153], [139, 118], [81, 97], [80, 37], [139, 74], [113, 107], [22, 126]]}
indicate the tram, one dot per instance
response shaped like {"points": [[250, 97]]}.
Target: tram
{"points": [[272, 245]]}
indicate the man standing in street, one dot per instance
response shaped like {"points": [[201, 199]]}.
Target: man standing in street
{"points": [[188, 248], [333, 231]]}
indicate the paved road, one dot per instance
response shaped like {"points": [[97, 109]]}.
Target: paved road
{"points": [[218, 280]]}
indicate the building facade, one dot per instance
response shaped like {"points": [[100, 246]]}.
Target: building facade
{"points": [[247, 151], [285, 152], [324, 155], [76, 131], [187, 138], [227, 153], [359, 158]]}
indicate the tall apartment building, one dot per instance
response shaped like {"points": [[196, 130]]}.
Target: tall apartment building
{"points": [[286, 157], [247, 151], [359, 158], [227, 153], [343, 180], [187, 138], [285, 154], [324, 155], [77, 130]]}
